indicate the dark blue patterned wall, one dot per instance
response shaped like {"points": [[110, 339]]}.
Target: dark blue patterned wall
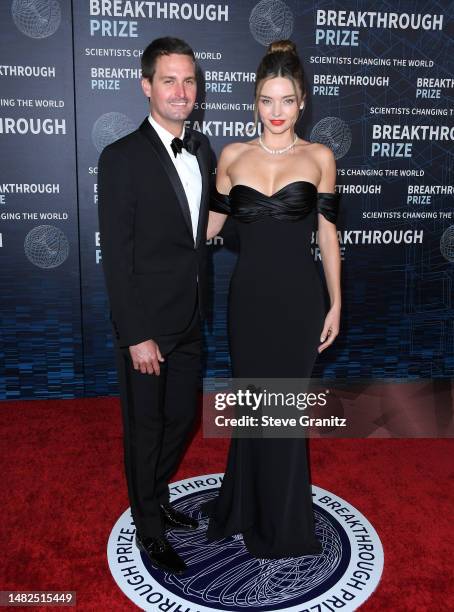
{"points": [[41, 341], [397, 319]]}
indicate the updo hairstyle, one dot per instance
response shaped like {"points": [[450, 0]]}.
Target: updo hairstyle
{"points": [[280, 60]]}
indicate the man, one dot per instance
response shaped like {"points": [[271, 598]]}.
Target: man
{"points": [[153, 205]]}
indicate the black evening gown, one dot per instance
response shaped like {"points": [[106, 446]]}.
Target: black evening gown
{"points": [[276, 314]]}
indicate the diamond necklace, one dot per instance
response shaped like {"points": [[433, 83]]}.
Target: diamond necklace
{"points": [[277, 151]]}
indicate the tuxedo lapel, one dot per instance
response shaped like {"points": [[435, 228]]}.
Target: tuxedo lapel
{"points": [[149, 132], [204, 168]]}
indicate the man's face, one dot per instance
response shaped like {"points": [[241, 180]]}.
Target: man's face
{"points": [[172, 91]]}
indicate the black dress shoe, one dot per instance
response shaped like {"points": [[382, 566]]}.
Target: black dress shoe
{"points": [[177, 520], [161, 554]]}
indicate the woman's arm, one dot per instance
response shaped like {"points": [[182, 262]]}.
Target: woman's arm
{"points": [[223, 185], [330, 252]]}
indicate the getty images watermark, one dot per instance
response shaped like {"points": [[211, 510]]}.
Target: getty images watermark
{"points": [[291, 408], [270, 404]]}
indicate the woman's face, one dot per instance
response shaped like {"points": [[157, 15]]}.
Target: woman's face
{"points": [[279, 104]]}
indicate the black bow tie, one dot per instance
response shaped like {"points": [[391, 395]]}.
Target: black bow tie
{"points": [[189, 143]]}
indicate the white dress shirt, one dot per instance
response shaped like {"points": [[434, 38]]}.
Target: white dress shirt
{"points": [[188, 170]]}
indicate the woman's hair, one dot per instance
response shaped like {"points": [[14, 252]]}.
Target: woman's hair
{"points": [[280, 60]]}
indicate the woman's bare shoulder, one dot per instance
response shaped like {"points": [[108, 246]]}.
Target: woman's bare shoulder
{"points": [[233, 150], [321, 151]]}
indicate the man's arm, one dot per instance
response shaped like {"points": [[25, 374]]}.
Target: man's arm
{"points": [[116, 211]]}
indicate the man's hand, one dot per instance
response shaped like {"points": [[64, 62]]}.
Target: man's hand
{"points": [[146, 357]]}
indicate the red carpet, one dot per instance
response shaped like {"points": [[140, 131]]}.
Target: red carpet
{"points": [[63, 489]]}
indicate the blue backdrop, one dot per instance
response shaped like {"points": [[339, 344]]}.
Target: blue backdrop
{"points": [[381, 89]]}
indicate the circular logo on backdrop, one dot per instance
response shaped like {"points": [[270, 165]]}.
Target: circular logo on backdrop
{"points": [[447, 243], [36, 18], [222, 575], [334, 133], [270, 20], [110, 127], [46, 246]]}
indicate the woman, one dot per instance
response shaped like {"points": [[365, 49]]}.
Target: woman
{"points": [[276, 188]]}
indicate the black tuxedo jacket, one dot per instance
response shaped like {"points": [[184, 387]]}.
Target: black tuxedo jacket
{"points": [[154, 272]]}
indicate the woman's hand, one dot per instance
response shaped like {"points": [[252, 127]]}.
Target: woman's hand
{"points": [[330, 328], [215, 224]]}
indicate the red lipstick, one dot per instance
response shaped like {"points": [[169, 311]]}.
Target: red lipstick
{"points": [[277, 121]]}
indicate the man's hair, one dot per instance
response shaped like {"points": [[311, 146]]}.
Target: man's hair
{"points": [[159, 47]]}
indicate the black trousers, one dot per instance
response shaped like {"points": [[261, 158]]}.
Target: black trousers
{"points": [[158, 415]]}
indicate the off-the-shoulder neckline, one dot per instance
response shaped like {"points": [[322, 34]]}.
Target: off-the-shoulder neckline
{"points": [[278, 191]]}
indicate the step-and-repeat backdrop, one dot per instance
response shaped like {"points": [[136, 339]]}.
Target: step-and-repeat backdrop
{"points": [[381, 91]]}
